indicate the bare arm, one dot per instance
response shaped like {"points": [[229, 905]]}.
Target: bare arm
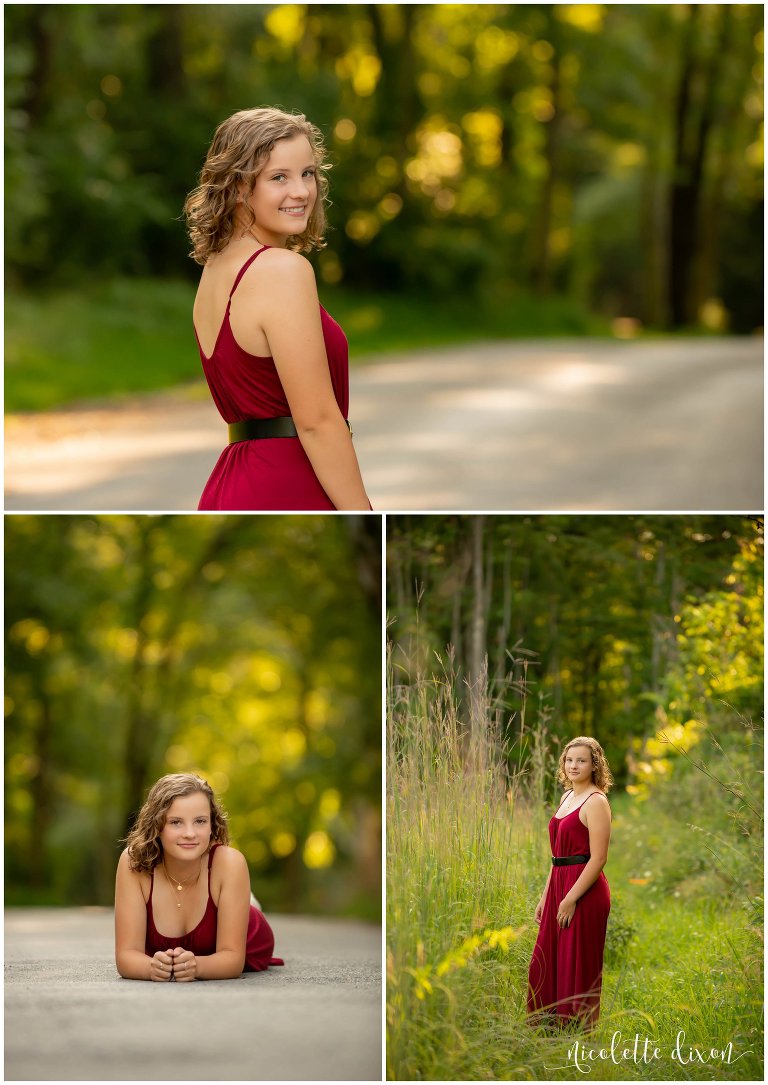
{"points": [[131, 929], [232, 920], [292, 325]]}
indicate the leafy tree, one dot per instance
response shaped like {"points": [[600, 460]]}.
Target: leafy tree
{"points": [[246, 649], [584, 609], [608, 152]]}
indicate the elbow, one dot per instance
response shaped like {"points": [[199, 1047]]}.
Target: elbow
{"points": [[317, 422], [238, 964], [120, 966], [228, 965]]}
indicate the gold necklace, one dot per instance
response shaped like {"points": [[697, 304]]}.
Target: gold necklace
{"points": [[181, 885]]}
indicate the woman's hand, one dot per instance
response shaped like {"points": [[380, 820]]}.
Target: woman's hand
{"points": [[565, 912], [184, 965], [539, 911], [161, 967]]}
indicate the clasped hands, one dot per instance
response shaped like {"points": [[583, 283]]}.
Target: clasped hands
{"points": [[178, 964]]}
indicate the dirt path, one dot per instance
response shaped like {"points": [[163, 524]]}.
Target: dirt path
{"points": [[69, 1016], [529, 425]]}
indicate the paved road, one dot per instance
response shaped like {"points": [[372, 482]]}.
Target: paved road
{"points": [[69, 1016], [528, 425]]}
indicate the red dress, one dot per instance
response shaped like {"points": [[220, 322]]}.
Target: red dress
{"points": [[273, 473], [259, 943], [565, 976]]}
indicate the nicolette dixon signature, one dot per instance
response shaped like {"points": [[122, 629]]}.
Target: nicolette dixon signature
{"points": [[645, 1050]]}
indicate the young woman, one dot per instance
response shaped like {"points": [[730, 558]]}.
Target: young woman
{"points": [[565, 974], [178, 876], [275, 361]]}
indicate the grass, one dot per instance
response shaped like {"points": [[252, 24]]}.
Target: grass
{"points": [[135, 335], [124, 336], [467, 857]]}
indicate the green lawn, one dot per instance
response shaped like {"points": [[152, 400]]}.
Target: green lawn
{"points": [[133, 335]]}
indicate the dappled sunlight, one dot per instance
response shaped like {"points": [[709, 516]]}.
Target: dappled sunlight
{"points": [[506, 400], [574, 373]]}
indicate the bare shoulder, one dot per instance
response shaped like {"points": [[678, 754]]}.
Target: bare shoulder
{"points": [[281, 269], [226, 859], [599, 800], [284, 258], [124, 866], [129, 879]]}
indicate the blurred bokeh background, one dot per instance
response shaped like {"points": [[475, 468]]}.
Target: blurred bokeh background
{"points": [[245, 649], [499, 170]]}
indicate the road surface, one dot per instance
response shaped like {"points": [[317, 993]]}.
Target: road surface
{"points": [[69, 1016], [514, 425]]}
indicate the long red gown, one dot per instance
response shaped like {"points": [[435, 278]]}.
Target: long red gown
{"points": [[259, 942], [565, 975], [272, 473]]}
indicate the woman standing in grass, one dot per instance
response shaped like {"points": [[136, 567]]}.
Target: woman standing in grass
{"points": [[275, 361], [212, 929], [565, 976]]}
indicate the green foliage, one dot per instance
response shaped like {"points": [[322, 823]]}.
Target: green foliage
{"points": [[242, 648], [716, 798], [473, 144], [466, 795], [57, 341], [720, 646], [467, 857], [597, 601], [621, 931], [57, 344]]}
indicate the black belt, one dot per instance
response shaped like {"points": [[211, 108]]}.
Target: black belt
{"points": [[569, 860], [256, 429]]}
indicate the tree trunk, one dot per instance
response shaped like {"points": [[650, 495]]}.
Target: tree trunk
{"points": [[502, 635], [40, 789], [41, 38], [398, 102], [691, 139], [542, 270], [365, 534], [165, 53], [138, 743], [477, 646], [713, 200]]}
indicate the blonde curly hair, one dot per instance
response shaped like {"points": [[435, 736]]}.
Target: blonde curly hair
{"points": [[601, 774], [239, 151], [143, 841]]}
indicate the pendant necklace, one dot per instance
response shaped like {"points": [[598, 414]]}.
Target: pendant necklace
{"points": [[181, 885]]}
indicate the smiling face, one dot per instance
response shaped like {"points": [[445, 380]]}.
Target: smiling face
{"points": [[187, 830], [578, 764], [285, 192]]}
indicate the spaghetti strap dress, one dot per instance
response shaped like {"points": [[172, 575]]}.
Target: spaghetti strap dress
{"points": [[565, 975], [273, 473], [259, 944]]}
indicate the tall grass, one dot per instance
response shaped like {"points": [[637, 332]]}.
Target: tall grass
{"points": [[467, 858]]}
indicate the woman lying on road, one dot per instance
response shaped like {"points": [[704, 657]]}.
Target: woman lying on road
{"points": [[179, 876]]}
